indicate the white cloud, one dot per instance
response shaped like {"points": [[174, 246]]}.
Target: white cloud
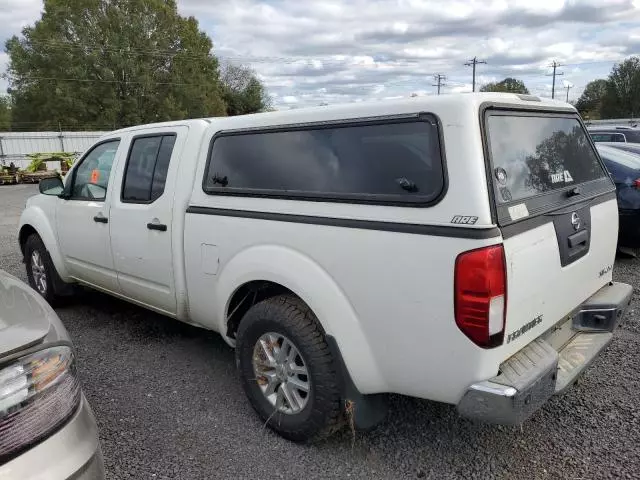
{"points": [[328, 51]]}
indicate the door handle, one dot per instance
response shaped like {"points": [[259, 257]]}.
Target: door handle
{"points": [[578, 239], [157, 226], [100, 218]]}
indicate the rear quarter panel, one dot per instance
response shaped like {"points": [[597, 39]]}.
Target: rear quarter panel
{"points": [[386, 297]]}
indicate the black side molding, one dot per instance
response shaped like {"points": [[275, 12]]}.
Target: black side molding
{"points": [[433, 230]]}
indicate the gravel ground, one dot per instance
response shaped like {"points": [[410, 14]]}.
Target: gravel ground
{"points": [[169, 406]]}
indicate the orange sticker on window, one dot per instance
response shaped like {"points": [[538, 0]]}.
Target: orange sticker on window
{"points": [[95, 176]]}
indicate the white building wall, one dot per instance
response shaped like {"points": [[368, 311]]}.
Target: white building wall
{"points": [[14, 146]]}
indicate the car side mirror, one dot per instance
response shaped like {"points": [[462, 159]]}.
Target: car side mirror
{"points": [[51, 186]]}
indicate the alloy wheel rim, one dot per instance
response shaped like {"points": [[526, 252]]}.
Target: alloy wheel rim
{"points": [[39, 273], [281, 373]]}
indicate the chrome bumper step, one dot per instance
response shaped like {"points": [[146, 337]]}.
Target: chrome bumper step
{"points": [[549, 364], [577, 355]]}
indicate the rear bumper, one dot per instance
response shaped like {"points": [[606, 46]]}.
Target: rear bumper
{"points": [[550, 364]]}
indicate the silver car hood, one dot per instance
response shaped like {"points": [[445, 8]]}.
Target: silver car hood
{"points": [[24, 316]]}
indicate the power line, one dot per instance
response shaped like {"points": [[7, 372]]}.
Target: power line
{"points": [[99, 80], [439, 79], [555, 65], [126, 50], [364, 85], [472, 63]]}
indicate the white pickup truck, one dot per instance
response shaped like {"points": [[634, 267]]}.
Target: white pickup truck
{"points": [[458, 249]]}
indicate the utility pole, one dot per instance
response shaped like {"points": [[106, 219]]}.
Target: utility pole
{"points": [[568, 86], [472, 63], [554, 65], [439, 79]]}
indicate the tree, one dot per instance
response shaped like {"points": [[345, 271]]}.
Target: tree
{"points": [[562, 151], [102, 64], [242, 91], [622, 97], [5, 113], [590, 102], [508, 85]]}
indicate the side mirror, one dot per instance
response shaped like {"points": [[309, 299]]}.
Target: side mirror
{"points": [[51, 186]]}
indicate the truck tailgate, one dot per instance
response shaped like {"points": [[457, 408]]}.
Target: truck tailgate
{"points": [[541, 291], [555, 204]]}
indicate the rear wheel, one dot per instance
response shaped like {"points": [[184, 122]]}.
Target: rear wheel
{"points": [[287, 369]]}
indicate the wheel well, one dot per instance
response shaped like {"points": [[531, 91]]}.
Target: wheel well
{"points": [[247, 296], [25, 232]]}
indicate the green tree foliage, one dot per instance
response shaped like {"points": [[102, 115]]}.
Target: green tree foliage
{"points": [[5, 113], [508, 85], [111, 63], [242, 91], [590, 102], [561, 151], [622, 97]]}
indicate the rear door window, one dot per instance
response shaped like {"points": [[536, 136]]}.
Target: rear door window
{"points": [[618, 137], [632, 136], [146, 169], [398, 161]]}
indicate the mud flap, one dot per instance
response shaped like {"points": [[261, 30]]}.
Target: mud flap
{"points": [[367, 410]]}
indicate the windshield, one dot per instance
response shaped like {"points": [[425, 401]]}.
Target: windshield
{"points": [[533, 155]]}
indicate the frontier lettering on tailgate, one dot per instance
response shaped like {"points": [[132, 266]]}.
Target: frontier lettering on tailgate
{"points": [[525, 328]]}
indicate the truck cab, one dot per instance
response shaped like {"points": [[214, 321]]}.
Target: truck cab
{"points": [[457, 249]]}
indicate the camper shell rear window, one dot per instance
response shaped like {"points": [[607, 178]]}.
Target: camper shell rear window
{"points": [[537, 160]]}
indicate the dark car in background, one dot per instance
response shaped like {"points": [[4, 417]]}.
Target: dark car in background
{"points": [[627, 147], [624, 168], [615, 134]]}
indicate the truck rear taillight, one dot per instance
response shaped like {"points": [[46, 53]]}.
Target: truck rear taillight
{"points": [[481, 295]]}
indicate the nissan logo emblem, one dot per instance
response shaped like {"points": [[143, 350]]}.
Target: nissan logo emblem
{"points": [[575, 221]]}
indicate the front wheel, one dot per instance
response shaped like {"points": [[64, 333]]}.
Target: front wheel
{"points": [[41, 272], [287, 369]]}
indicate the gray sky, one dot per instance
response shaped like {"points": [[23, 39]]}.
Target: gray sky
{"points": [[308, 52]]}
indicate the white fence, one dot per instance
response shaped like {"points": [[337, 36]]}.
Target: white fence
{"points": [[614, 121], [14, 146]]}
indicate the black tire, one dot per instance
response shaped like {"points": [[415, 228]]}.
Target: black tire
{"points": [[55, 289], [289, 316]]}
